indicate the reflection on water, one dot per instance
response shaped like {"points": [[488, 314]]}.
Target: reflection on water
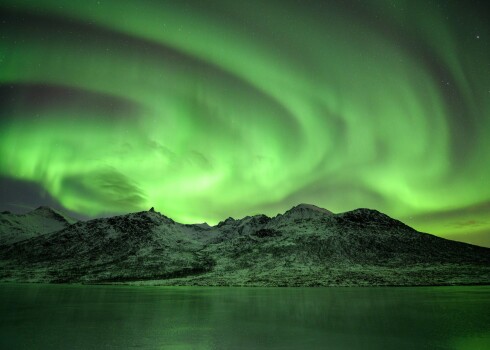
{"points": [[115, 317]]}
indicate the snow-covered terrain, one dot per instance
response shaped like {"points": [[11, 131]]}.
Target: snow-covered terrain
{"points": [[18, 227], [306, 246]]}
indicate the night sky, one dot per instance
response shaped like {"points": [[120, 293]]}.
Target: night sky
{"points": [[211, 109]]}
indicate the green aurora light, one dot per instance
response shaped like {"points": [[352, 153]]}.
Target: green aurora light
{"points": [[206, 110]]}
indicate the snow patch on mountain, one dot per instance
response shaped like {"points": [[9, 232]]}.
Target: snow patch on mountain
{"points": [[40, 221]]}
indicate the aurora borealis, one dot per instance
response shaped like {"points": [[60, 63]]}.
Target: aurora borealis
{"points": [[210, 109]]}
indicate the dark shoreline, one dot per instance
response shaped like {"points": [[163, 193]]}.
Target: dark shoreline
{"points": [[135, 284]]}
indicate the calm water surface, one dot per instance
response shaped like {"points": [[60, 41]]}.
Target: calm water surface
{"points": [[123, 317]]}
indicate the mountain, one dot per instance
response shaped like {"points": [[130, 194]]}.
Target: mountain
{"points": [[18, 227], [305, 246], [133, 246]]}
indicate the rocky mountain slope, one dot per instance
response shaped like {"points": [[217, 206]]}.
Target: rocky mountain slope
{"points": [[18, 227], [306, 246]]}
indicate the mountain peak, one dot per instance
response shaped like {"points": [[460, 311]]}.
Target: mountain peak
{"points": [[202, 225], [307, 209], [48, 212], [302, 212], [153, 215], [366, 212], [44, 210], [37, 222], [304, 206], [366, 215], [225, 222]]}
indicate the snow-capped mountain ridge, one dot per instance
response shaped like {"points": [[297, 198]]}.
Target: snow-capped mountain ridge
{"points": [[304, 246], [42, 220]]}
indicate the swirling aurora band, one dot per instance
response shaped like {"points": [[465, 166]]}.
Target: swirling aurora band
{"points": [[206, 110]]}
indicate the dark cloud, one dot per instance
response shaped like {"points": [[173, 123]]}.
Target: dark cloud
{"points": [[165, 151], [479, 237], [29, 100], [20, 196], [107, 187], [479, 209], [471, 224]]}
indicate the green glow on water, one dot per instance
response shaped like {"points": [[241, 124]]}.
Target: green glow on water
{"points": [[99, 317]]}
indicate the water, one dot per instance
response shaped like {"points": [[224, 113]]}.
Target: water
{"points": [[121, 317]]}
